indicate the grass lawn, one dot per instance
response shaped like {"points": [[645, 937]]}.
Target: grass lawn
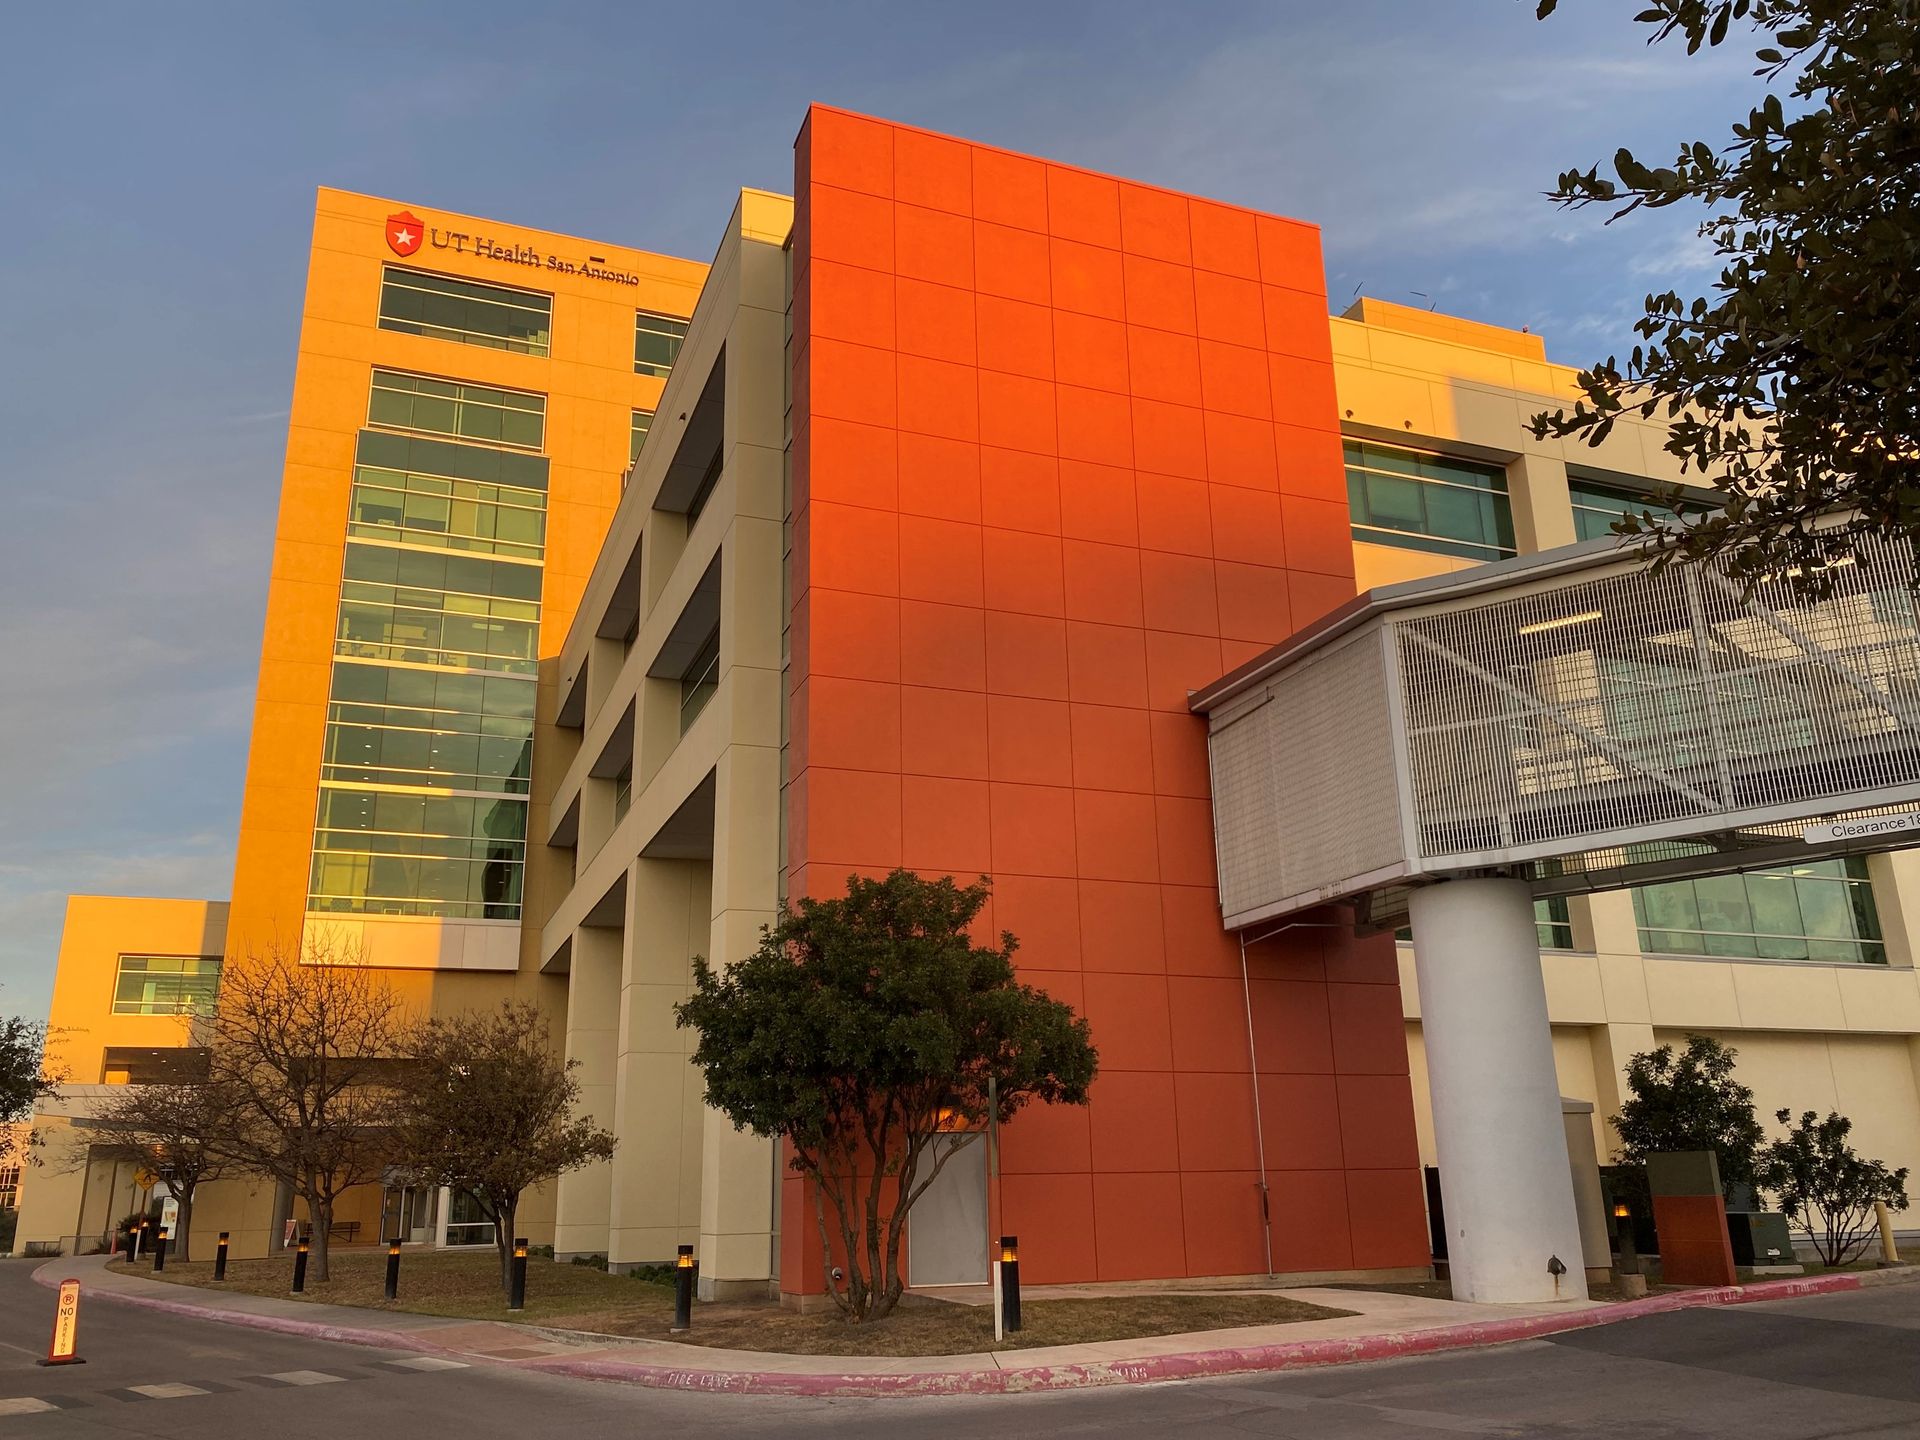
{"points": [[575, 1297]]}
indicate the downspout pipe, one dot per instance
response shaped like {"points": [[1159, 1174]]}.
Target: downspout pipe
{"points": [[1253, 1064]]}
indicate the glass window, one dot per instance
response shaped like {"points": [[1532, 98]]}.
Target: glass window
{"points": [[1822, 910], [699, 681], [1554, 923], [499, 317], [453, 514], [400, 401], [1420, 501], [656, 342], [1597, 505], [703, 492], [166, 984], [642, 422], [622, 792]]}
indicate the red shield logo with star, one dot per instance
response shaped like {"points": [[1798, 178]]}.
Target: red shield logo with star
{"points": [[404, 233]]}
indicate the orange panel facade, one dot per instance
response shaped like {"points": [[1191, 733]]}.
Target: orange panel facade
{"points": [[1065, 448]]}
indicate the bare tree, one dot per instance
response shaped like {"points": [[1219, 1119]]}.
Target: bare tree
{"points": [[490, 1111], [178, 1129], [305, 1047]]}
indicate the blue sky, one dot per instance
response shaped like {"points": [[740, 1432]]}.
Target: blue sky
{"points": [[157, 187]]}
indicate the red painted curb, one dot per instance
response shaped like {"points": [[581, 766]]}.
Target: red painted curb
{"points": [[252, 1320], [1287, 1355]]}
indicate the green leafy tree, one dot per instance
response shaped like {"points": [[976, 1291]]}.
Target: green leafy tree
{"points": [[1792, 385], [1689, 1101], [489, 1109], [1825, 1187], [25, 1080], [862, 1028]]}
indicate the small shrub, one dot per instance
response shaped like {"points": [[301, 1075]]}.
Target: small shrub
{"points": [[1824, 1187]]}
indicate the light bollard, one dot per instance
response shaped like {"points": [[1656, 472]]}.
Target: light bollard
{"points": [[160, 1248], [517, 1298], [300, 1266], [220, 1257], [1629, 1255], [1010, 1281], [393, 1268], [683, 1276]]}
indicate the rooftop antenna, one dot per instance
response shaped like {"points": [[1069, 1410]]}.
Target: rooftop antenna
{"points": [[1424, 296]]}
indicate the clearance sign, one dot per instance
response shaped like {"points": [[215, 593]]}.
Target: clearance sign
{"points": [[66, 1327]]}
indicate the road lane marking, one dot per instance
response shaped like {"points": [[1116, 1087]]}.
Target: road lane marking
{"points": [[171, 1390], [426, 1362], [305, 1377], [25, 1405]]}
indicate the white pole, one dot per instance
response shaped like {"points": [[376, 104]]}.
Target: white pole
{"points": [[1505, 1183], [999, 1333]]}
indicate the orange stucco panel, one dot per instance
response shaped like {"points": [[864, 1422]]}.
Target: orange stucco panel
{"points": [[1066, 447]]}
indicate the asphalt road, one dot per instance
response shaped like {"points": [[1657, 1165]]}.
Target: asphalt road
{"points": [[1836, 1366]]}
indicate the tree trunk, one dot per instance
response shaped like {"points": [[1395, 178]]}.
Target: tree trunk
{"points": [[321, 1209], [185, 1197], [503, 1217]]}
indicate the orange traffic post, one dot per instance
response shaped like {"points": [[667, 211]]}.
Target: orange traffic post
{"points": [[63, 1348]]}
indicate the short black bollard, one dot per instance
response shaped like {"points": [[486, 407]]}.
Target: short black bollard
{"points": [[517, 1300], [1010, 1281], [683, 1276], [133, 1242], [300, 1266], [393, 1268], [160, 1249], [220, 1258], [1629, 1252]]}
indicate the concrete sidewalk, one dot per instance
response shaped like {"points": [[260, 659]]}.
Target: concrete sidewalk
{"points": [[1385, 1326]]}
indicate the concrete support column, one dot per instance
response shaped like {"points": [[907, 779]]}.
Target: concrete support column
{"points": [[656, 1090], [583, 1197], [737, 1188], [1612, 1046], [1542, 513], [1496, 1101]]}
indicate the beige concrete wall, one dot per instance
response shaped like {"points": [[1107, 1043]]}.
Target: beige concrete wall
{"points": [[642, 905]]}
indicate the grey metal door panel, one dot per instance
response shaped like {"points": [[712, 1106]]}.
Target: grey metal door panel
{"points": [[947, 1228]]}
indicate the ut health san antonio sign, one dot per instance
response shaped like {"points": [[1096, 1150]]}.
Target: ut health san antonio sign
{"points": [[406, 232]]}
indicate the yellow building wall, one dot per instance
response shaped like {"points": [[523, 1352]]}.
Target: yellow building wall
{"points": [[591, 389], [61, 1195]]}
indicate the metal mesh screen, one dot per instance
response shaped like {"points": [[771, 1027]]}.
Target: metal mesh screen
{"points": [[1305, 789], [1636, 707]]}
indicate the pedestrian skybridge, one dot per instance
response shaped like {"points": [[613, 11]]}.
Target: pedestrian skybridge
{"points": [[1574, 718]]}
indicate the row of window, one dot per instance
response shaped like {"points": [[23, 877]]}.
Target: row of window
{"points": [[1821, 910], [429, 738], [166, 984], [1415, 500], [505, 317]]}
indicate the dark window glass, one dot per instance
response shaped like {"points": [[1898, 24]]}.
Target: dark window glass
{"points": [[499, 317], [166, 984], [700, 679], [400, 401], [1822, 910], [1597, 505], [656, 342], [1419, 501]]}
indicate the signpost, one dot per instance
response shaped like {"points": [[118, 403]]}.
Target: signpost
{"points": [[66, 1327]]}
